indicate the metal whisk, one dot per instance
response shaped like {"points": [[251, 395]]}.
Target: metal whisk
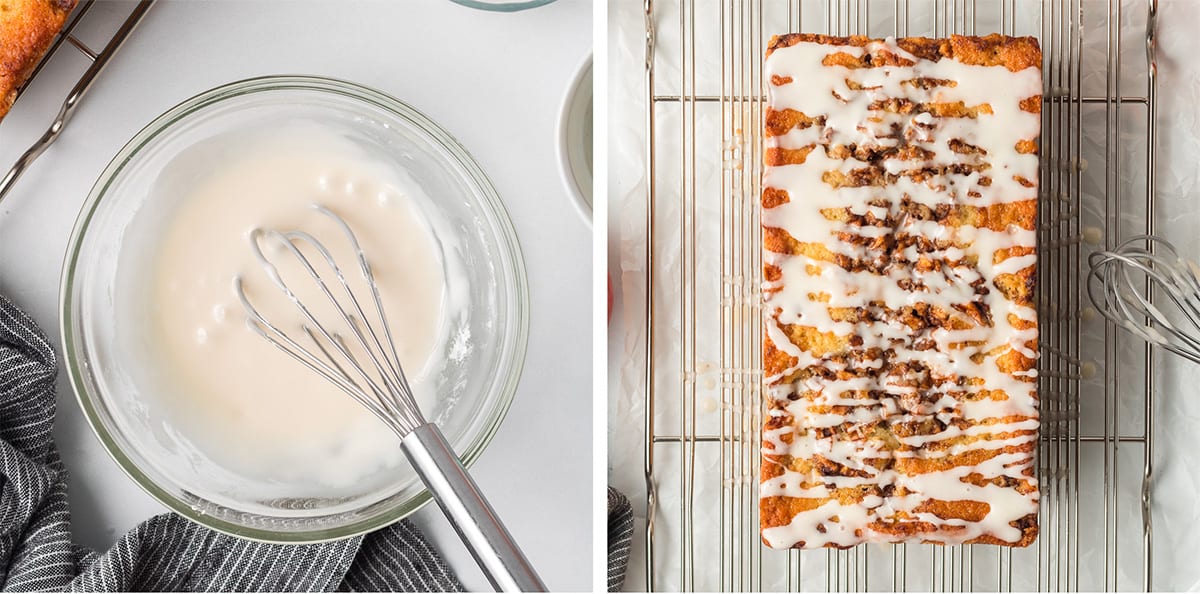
{"points": [[365, 365], [1127, 274]]}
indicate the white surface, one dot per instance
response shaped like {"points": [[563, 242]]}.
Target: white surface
{"points": [[1174, 508], [495, 81]]}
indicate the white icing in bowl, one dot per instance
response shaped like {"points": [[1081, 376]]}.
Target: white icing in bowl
{"points": [[104, 301]]}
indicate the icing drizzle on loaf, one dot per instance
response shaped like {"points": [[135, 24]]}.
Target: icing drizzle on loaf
{"points": [[900, 333]]}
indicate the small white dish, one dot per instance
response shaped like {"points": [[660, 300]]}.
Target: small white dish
{"points": [[575, 139], [503, 5]]}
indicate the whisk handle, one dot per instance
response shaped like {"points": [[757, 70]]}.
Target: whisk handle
{"points": [[472, 517]]}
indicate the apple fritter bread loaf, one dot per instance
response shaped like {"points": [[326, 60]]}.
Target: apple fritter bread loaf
{"points": [[899, 213], [27, 28]]}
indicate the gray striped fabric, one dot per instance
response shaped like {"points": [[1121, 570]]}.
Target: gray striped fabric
{"points": [[620, 537], [167, 552]]}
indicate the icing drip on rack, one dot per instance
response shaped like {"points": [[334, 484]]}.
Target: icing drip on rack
{"points": [[898, 201]]}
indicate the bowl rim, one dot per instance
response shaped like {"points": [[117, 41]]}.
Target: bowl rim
{"points": [[502, 6], [488, 199]]}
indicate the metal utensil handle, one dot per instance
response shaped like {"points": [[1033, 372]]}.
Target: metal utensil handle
{"points": [[472, 517]]}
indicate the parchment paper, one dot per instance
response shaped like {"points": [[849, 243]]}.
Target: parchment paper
{"points": [[1175, 483]]}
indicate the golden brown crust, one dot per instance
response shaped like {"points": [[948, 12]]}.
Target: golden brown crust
{"points": [[1015, 54], [27, 28]]}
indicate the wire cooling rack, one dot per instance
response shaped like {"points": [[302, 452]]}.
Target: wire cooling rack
{"points": [[99, 59], [703, 424]]}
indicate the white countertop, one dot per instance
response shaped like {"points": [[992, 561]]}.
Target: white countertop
{"points": [[493, 80]]}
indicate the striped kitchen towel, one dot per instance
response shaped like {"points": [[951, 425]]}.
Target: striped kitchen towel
{"points": [[620, 538], [166, 552]]}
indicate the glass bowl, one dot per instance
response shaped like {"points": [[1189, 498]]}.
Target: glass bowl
{"points": [[102, 299]]}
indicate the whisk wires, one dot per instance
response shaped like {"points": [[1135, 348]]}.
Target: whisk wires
{"points": [[1117, 285], [372, 373]]}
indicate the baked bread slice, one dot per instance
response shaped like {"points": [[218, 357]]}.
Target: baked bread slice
{"points": [[27, 28], [899, 213]]}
